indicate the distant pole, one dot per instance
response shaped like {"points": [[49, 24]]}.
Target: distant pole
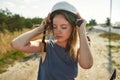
{"points": [[110, 27], [110, 55]]}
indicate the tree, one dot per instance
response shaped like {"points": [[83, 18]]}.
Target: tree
{"points": [[108, 22], [92, 22], [28, 23], [36, 20], [15, 22], [3, 19]]}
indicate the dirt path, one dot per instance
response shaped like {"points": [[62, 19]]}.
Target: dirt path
{"points": [[22, 71], [99, 71]]}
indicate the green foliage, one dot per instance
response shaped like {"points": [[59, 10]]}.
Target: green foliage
{"points": [[113, 37], [37, 20], [3, 18], [28, 23], [117, 47], [15, 22], [92, 22], [108, 22], [9, 58]]}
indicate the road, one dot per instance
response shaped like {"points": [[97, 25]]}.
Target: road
{"points": [[114, 30]]}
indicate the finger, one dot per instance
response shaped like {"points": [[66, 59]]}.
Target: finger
{"points": [[44, 21], [48, 18], [79, 17]]}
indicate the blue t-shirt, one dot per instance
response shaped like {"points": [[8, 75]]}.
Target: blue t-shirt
{"points": [[57, 65]]}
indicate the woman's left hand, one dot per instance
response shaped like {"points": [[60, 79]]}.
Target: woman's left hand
{"points": [[81, 23]]}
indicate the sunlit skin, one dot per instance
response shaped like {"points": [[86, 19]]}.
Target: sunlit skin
{"points": [[61, 29]]}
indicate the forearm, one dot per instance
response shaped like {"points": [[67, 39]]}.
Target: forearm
{"points": [[85, 57], [25, 38]]}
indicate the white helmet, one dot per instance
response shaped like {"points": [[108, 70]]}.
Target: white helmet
{"points": [[64, 6]]}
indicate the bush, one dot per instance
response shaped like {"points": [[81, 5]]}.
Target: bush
{"points": [[9, 58]]}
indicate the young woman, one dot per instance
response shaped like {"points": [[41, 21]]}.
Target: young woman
{"points": [[60, 60]]}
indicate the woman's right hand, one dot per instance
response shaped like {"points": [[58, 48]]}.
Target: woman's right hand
{"points": [[24, 41], [45, 21]]}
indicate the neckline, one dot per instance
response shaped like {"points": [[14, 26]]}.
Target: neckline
{"points": [[59, 46]]}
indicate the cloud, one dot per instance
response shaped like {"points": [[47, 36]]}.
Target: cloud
{"points": [[8, 4], [25, 1], [22, 7], [36, 6], [28, 2]]}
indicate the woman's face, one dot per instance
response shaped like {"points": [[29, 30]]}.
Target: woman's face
{"points": [[61, 28]]}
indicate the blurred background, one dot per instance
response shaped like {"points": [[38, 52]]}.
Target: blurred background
{"points": [[103, 27]]}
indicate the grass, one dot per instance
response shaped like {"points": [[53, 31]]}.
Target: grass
{"points": [[5, 40], [117, 27], [117, 65], [114, 48], [8, 55], [9, 58], [114, 36], [115, 52]]}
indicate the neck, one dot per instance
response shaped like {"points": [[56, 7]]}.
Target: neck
{"points": [[62, 44]]}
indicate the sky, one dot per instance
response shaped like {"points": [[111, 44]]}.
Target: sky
{"points": [[88, 9]]}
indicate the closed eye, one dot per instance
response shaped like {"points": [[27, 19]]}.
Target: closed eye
{"points": [[64, 27], [54, 27]]}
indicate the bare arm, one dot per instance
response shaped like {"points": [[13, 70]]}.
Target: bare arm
{"points": [[23, 42], [85, 58]]}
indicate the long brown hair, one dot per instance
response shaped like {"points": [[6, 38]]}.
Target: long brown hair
{"points": [[73, 39]]}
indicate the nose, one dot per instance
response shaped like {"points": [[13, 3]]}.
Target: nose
{"points": [[58, 30]]}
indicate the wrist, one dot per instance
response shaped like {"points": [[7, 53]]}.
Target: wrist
{"points": [[40, 29], [83, 33]]}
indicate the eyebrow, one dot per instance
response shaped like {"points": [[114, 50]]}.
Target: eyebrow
{"points": [[61, 25]]}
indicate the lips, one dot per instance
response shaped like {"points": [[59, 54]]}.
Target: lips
{"points": [[58, 37]]}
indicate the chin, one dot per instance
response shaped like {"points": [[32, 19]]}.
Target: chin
{"points": [[59, 40]]}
